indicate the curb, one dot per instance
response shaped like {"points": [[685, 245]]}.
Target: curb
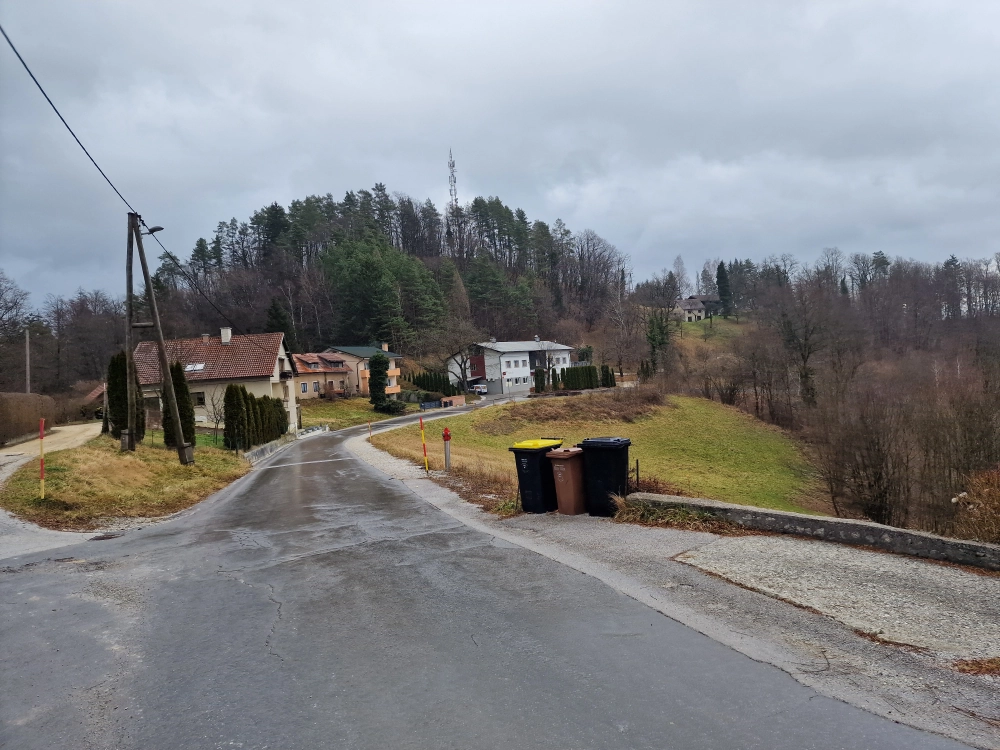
{"points": [[839, 530], [267, 450]]}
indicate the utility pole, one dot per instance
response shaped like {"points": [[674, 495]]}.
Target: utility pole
{"points": [[129, 442], [27, 360], [185, 452]]}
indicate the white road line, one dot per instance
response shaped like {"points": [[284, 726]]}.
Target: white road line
{"points": [[300, 463]]}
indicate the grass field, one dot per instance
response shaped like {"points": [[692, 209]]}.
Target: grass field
{"points": [[699, 447], [342, 412], [96, 481]]}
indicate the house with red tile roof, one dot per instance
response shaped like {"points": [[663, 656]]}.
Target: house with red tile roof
{"points": [[324, 374], [258, 361]]}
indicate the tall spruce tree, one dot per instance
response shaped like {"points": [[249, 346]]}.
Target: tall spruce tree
{"points": [[725, 292], [378, 379]]}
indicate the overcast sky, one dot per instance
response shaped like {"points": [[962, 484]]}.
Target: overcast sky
{"points": [[701, 128]]}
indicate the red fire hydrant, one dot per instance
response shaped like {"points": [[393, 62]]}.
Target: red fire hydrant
{"points": [[446, 436]]}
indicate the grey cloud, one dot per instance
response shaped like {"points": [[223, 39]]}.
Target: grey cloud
{"points": [[707, 129]]}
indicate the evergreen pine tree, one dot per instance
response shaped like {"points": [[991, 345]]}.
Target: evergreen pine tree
{"points": [[279, 321], [725, 292], [843, 286], [117, 395], [242, 428], [118, 400], [184, 406], [378, 366], [253, 437], [231, 409], [539, 380]]}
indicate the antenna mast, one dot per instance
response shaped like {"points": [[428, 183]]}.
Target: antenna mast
{"points": [[452, 181]]}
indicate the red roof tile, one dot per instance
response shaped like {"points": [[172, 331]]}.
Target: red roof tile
{"points": [[303, 364], [249, 356]]}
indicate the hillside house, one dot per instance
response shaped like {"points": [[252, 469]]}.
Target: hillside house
{"points": [[509, 366], [258, 361], [691, 310], [356, 358], [318, 375]]}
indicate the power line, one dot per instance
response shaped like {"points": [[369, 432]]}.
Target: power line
{"points": [[166, 252], [63, 119]]}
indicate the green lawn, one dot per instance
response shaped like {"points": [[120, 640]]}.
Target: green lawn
{"points": [[701, 447], [341, 412], [201, 439]]}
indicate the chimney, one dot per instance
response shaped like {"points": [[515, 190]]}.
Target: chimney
{"points": [[385, 346], [493, 339], [536, 337], [205, 337], [227, 334]]}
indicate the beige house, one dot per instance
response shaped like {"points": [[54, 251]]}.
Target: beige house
{"points": [[258, 361], [319, 375], [355, 358]]}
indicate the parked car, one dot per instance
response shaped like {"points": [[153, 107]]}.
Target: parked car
{"points": [[479, 388]]}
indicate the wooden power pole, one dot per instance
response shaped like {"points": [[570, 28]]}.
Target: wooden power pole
{"points": [[129, 442], [185, 451]]}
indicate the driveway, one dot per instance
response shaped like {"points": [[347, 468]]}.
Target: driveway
{"points": [[319, 603]]}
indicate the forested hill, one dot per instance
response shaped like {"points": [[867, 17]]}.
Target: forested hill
{"points": [[376, 266]]}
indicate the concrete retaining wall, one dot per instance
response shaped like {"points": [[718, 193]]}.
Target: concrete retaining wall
{"points": [[842, 530], [259, 453]]}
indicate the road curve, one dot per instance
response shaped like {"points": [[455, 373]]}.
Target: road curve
{"points": [[317, 603]]}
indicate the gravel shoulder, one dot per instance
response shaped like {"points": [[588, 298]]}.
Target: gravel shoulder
{"points": [[796, 604]]}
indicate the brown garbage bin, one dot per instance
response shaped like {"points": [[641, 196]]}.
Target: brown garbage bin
{"points": [[567, 469]]}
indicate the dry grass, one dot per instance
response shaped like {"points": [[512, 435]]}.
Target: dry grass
{"points": [[978, 666], [625, 405], [978, 513], [655, 515], [494, 493], [94, 482]]}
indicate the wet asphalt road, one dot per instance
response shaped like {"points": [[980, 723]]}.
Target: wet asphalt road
{"points": [[318, 604]]}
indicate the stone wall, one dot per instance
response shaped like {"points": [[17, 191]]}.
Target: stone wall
{"points": [[841, 530]]}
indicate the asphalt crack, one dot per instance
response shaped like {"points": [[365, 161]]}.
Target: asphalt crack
{"points": [[230, 574]]}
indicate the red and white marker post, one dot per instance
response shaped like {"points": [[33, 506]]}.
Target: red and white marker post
{"points": [[424, 442], [446, 436], [41, 455]]}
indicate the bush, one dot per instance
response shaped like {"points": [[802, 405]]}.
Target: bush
{"points": [[378, 379], [390, 407], [232, 405], [20, 412], [431, 396]]}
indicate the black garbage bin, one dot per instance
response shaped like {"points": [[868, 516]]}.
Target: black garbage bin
{"points": [[534, 474], [605, 466]]}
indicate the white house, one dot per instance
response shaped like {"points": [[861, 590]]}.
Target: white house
{"points": [[258, 361], [509, 366]]}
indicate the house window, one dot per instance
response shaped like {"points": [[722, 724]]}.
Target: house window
{"points": [[508, 364], [199, 398], [314, 365], [305, 388], [524, 363], [315, 386], [194, 367]]}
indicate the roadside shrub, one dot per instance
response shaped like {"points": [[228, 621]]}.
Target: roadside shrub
{"points": [[539, 380], [429, 396], [232, 405], [390, 407], [977, 514]]}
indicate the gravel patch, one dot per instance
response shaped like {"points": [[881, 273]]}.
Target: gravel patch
{"points": [[897, 599]]}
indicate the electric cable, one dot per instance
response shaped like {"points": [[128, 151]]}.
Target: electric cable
{"points": [[93, 161]]}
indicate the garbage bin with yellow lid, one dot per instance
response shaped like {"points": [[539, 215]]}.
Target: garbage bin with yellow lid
{"points": [[567, 471], [534, 474]]}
